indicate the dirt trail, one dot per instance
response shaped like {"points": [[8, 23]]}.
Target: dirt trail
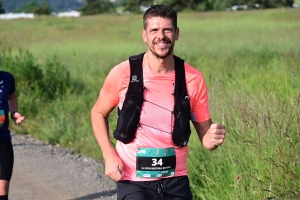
{"points": [[46, 172]]}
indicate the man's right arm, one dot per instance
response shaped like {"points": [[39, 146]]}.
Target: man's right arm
{"points": [[99, 117]]}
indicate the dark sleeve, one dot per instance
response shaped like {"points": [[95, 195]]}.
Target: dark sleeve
{"points": [[12, 88]]}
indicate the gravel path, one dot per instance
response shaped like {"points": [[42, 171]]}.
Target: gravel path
{"points": [[46, 172]]}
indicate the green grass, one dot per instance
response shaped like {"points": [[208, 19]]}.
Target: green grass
{"points": [[250, 61]]}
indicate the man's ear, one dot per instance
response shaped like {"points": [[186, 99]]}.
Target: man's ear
{"points": [[144, 35], [177, 33]]}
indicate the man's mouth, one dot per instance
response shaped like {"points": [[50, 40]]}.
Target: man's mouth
{"points": [[162, 44]]}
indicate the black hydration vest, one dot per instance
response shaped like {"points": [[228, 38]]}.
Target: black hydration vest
{"points": [[129, 116]]}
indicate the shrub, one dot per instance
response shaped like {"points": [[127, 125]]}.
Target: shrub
{"points": [[39, 83]]}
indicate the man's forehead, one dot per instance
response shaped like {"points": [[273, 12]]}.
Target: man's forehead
{"points": [[158, 21], [158, 18]]}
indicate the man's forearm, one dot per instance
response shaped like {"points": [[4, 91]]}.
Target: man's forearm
{"points": [[13, 103], [101, 132]]}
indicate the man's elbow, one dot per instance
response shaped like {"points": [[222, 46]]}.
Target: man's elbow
{"points": [[12, 96], [94, 113]]}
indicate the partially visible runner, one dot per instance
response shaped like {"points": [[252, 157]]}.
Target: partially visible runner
{"points": [[8, 103], [152, 166]]}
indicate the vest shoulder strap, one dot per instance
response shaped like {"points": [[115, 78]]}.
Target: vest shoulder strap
{"points": [[181, 131], [129, 116], [180, 82], [136, 74]]}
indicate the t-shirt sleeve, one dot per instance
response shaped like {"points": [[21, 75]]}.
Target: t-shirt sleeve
{"points": [[199, 98], [113, 84], [12, 88]]}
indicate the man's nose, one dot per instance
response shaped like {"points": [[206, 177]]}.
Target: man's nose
{"points": [[160, 34]]}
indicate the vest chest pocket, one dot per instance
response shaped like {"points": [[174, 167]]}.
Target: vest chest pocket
{"points": [[129, 118]]}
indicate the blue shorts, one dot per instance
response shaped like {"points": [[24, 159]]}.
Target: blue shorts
{"points": [[175, 188], [6, 159]]}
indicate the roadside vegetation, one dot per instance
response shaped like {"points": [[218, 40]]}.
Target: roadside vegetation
{"points": [[250, 61]]}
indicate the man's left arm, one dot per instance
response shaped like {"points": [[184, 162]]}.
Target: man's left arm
{"points": [[13, 108], [211, 135]]}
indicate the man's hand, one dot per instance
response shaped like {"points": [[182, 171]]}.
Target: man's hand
{"points": [[17, 117], [217, 133], [114, 168]]}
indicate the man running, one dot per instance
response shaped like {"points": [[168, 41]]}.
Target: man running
{"points": [[8, 103], [153, 165]]}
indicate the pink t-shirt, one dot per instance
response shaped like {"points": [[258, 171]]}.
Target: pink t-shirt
{"points": [[156, 119]]}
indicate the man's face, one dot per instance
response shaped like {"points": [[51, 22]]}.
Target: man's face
{"points": [[160, 36]]}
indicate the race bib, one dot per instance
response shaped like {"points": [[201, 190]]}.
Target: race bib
{"points": [[155, 162], [2, 117]]}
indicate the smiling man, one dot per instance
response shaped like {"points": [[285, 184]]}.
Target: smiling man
{"points": [[157, 94]]}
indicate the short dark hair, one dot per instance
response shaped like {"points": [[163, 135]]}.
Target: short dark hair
{"points": [[160, 11]]}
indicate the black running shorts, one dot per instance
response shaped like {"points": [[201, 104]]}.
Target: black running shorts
{"points": [[175, 188], [6, 159]]}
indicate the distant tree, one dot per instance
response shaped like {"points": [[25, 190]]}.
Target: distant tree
{"points": [[28, 7], [94, 7], [287, 3], [34, 7], [2, 10], [43, 9], [133, 6], [177, 5]]}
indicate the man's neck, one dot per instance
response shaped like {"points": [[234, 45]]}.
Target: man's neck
{"points": [[159, 65]]}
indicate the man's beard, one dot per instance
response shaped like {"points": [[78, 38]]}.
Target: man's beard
{"points": [[169, 51]]}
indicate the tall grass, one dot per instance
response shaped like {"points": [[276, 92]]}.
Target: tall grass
{"points": [[260, 159], [250, 61]]}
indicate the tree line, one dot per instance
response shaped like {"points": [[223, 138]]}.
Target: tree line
{"points": [[53, 5], [208, 5], [92, 7]]}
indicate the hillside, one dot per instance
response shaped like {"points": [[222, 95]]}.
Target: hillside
{"points": [[12, 5]]}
